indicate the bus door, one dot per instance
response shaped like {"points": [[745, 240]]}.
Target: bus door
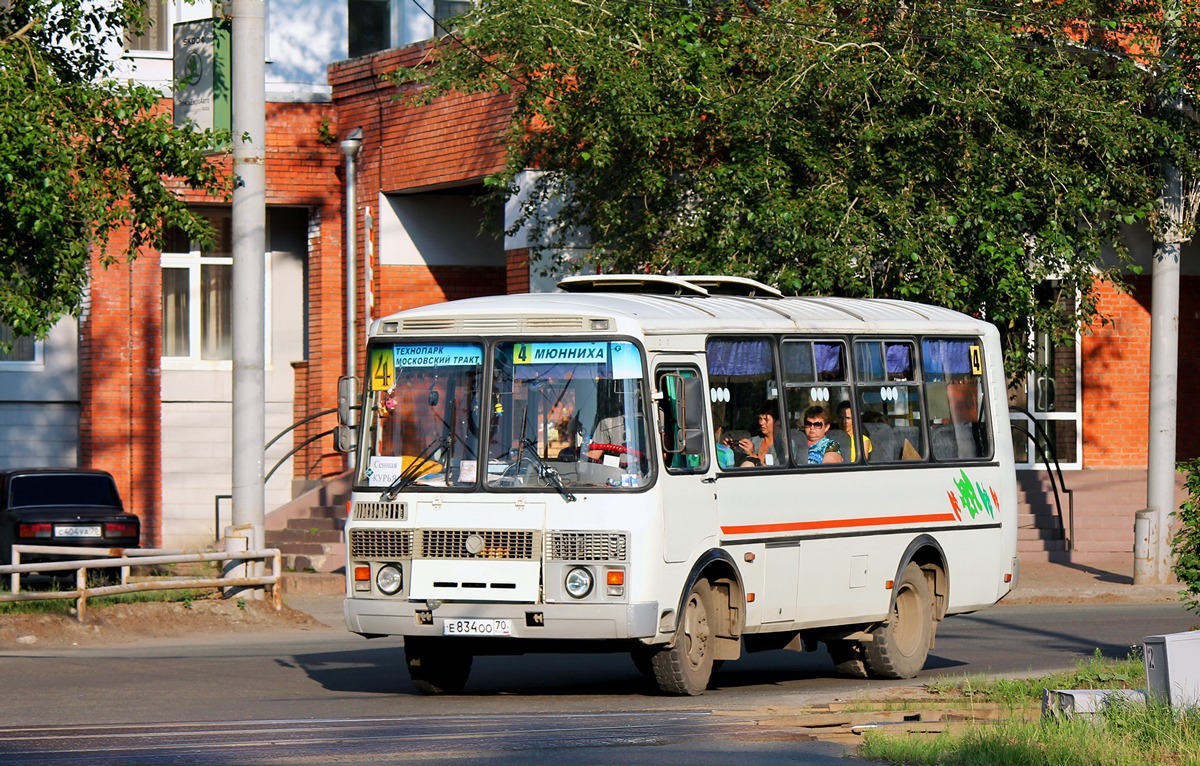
{"points": [[689, 504]]}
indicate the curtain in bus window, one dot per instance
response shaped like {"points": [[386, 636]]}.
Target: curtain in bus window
{"points": [[798, 364], [946, 357], [739, 357], [899, 360], [829, 361]]}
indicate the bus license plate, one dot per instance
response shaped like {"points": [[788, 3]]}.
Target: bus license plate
{"points": [[90, 530], [477, 628]]}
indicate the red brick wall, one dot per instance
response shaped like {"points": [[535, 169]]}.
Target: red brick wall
{"points": [[121, 334], [120, 396], [518, 270], [1188, 440], [453, 142]]}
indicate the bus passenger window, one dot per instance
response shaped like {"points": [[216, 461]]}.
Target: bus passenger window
{"points": [[953, 374], [744, 392], [815, 373], [889, 399]]}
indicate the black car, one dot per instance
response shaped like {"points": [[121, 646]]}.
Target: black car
{"points": [[64, 507]]}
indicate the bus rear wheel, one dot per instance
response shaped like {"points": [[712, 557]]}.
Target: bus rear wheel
{"points": [[434, 668], [901, 645], [686, 667]]}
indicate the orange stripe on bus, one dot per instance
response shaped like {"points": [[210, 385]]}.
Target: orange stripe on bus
{"points": [[802, 526]]}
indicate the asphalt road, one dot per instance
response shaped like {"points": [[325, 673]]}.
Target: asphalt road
{"points": [[327, 696]]}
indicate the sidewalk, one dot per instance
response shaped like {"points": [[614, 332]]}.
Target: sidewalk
{"points": [[1106, 579], [1087, 580]]}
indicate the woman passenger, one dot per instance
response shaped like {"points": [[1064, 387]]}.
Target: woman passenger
{"points": [[821, 449]]}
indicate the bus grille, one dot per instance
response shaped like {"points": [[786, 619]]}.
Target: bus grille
{"points": [[586, 546], [389, 544], [484, 544], [381, 511]]}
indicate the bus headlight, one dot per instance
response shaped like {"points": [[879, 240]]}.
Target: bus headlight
{"points": [[389, 579], [578, 582]]}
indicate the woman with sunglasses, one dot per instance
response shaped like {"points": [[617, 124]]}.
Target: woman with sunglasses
{"points": [[821, 449]]}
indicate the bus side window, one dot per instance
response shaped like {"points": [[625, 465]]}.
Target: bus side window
{"points": [[889, 399], [953, 373], [815, 373], [681, 420]]}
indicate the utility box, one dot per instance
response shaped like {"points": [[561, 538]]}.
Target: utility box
{"points": [[1173, 668]]}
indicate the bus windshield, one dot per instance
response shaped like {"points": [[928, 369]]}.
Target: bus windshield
{"points": [[421, 415], [555, 415], [573, 407]]}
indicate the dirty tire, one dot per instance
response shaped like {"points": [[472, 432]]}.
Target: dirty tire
{"points": [[849, 658], [901, 645], [435, 668], [686, 668]]}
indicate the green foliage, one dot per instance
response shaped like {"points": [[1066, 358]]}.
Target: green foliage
{"points": [[946, 153], [1185, 545], [82, 155]]}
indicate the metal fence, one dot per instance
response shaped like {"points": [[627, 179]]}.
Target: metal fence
{"points": [[114, 558]]}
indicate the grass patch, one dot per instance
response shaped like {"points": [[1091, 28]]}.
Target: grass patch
{"points": [[1124, 735]]}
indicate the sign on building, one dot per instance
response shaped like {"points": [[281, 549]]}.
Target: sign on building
{"points": [[202, 74]]}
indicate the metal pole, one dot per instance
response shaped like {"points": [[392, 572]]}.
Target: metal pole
{"points": [[1155, 562], [249, 248], [350, 147]]}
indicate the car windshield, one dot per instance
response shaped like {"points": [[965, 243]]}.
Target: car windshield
{"points": [[554, 416], [62, 489]]}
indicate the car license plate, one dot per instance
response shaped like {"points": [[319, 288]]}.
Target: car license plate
{"points": [[89, 530], [477, 628]]}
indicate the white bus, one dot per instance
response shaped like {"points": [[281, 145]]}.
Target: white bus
{"points": [[624, 465]]}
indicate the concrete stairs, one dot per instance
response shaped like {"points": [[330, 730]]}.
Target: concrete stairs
{"points": [[1105, 502], [309, 531]]}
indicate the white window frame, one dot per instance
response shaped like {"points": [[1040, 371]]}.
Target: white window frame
{"points": [[193, 261], [171, 16], [1034, 462], [37, 363]]}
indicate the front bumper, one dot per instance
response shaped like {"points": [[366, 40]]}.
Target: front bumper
{"points": [[390, 617]]}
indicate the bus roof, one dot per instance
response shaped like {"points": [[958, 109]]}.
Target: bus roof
{"points": [[650, 305]]}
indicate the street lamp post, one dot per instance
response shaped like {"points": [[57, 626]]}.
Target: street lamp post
{"points": [[350, 147]]}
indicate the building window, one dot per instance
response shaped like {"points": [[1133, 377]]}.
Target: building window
{"points": [[24, 348], [156, 36], [1049, 395], [448, 9], [370, 24], [196, 295]]}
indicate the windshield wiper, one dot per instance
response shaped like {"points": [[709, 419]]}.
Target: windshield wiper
{"points": [[410, 474], [545, 472]]}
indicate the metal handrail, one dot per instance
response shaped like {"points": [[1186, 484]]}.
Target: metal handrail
{"points": [[1041, 443], [124, 558]]}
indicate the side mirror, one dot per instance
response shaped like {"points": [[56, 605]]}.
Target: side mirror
{"points": [[693, 415], [348, 405], [345, 438]]}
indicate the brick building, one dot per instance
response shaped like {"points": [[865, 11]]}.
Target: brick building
{"points": [[148, 402]]}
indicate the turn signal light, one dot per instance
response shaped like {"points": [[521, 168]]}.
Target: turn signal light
{"points": [[615, 580], [362, 578]]}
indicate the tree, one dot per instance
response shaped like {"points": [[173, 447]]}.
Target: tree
{"points": [[955, 154], [81, 156]]}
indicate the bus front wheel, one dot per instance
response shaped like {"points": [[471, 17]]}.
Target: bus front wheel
{"points": [[901, 645], [435, 669], [686, 667]]}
